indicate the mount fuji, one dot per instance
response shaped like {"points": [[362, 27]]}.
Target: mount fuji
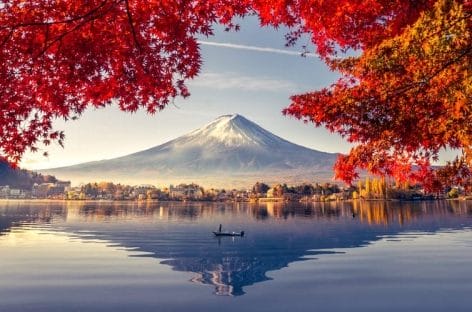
{"points": [[230, 151]]}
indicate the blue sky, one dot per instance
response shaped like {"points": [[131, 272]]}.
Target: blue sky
{"points": [[249, 72]]}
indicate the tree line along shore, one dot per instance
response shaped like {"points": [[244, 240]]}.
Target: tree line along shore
{"points": [[365, 189]]}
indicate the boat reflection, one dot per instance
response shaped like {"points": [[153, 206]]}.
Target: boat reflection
{"points": [[179, 234]]}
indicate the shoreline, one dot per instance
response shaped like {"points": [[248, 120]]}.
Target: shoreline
{"points": [[263, 201]]}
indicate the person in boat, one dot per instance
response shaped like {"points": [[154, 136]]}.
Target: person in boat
{"points": [[221, 233]]}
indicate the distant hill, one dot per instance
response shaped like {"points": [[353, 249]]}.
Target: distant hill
{"points": [[231, 151], [20, 178]]}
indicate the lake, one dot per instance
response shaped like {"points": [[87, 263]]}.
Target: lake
{"points": [[145, 256]]}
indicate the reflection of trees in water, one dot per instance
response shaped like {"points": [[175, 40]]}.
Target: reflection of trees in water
{"points": [[462, 207], [370, 212], [292, 210], [381, 212], [18, 213], [6, 223]]}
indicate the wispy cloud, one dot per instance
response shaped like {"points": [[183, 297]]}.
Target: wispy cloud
{"points": [[224, 81], [253, 48]]}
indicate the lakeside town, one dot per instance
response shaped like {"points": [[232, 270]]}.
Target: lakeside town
{"points": [[368, 189]]}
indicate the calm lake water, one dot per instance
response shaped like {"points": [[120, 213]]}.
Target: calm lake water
{"points": [[376, 256]]}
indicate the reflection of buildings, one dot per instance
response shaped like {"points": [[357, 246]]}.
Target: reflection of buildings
{"points": [[277, 233], [370, 212]]}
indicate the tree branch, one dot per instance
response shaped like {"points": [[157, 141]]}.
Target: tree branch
{"points": [[67, 21], [79, 25], [133, 30], [404, 89]]}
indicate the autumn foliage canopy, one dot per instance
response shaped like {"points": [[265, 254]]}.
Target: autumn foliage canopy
{"points": [[402, 97]]}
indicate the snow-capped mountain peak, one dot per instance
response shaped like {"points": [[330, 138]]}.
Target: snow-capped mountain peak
{"points": [[235, 130]]}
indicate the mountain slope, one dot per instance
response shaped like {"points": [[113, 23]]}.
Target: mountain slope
{"points": [[229, 151], [20, 178]]}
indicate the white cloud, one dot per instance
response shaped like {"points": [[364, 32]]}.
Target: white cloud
{"points": [[254, 48], [225, 81]]}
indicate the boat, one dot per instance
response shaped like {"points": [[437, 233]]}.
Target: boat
{"points": [[219, 233]]}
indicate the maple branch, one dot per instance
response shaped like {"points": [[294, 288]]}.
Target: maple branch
{"points": [[7, 37], [467, 16], [66, 21], [76, 27], [404, 89], [467, 51], [131, 23], [92, 14]]}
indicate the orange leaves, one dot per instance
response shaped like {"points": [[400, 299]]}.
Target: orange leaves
{"points": [[345, 169], [403, 99]]}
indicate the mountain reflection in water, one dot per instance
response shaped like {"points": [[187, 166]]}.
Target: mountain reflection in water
{"points": [[179, 234]]}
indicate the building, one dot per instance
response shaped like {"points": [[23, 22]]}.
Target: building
{"points": [[186, 191]]}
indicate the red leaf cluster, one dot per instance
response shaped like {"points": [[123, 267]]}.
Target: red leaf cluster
{"points": [[403, 99]]}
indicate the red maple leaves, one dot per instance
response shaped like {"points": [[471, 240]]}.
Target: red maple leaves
{"points": [[403, 99]]}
